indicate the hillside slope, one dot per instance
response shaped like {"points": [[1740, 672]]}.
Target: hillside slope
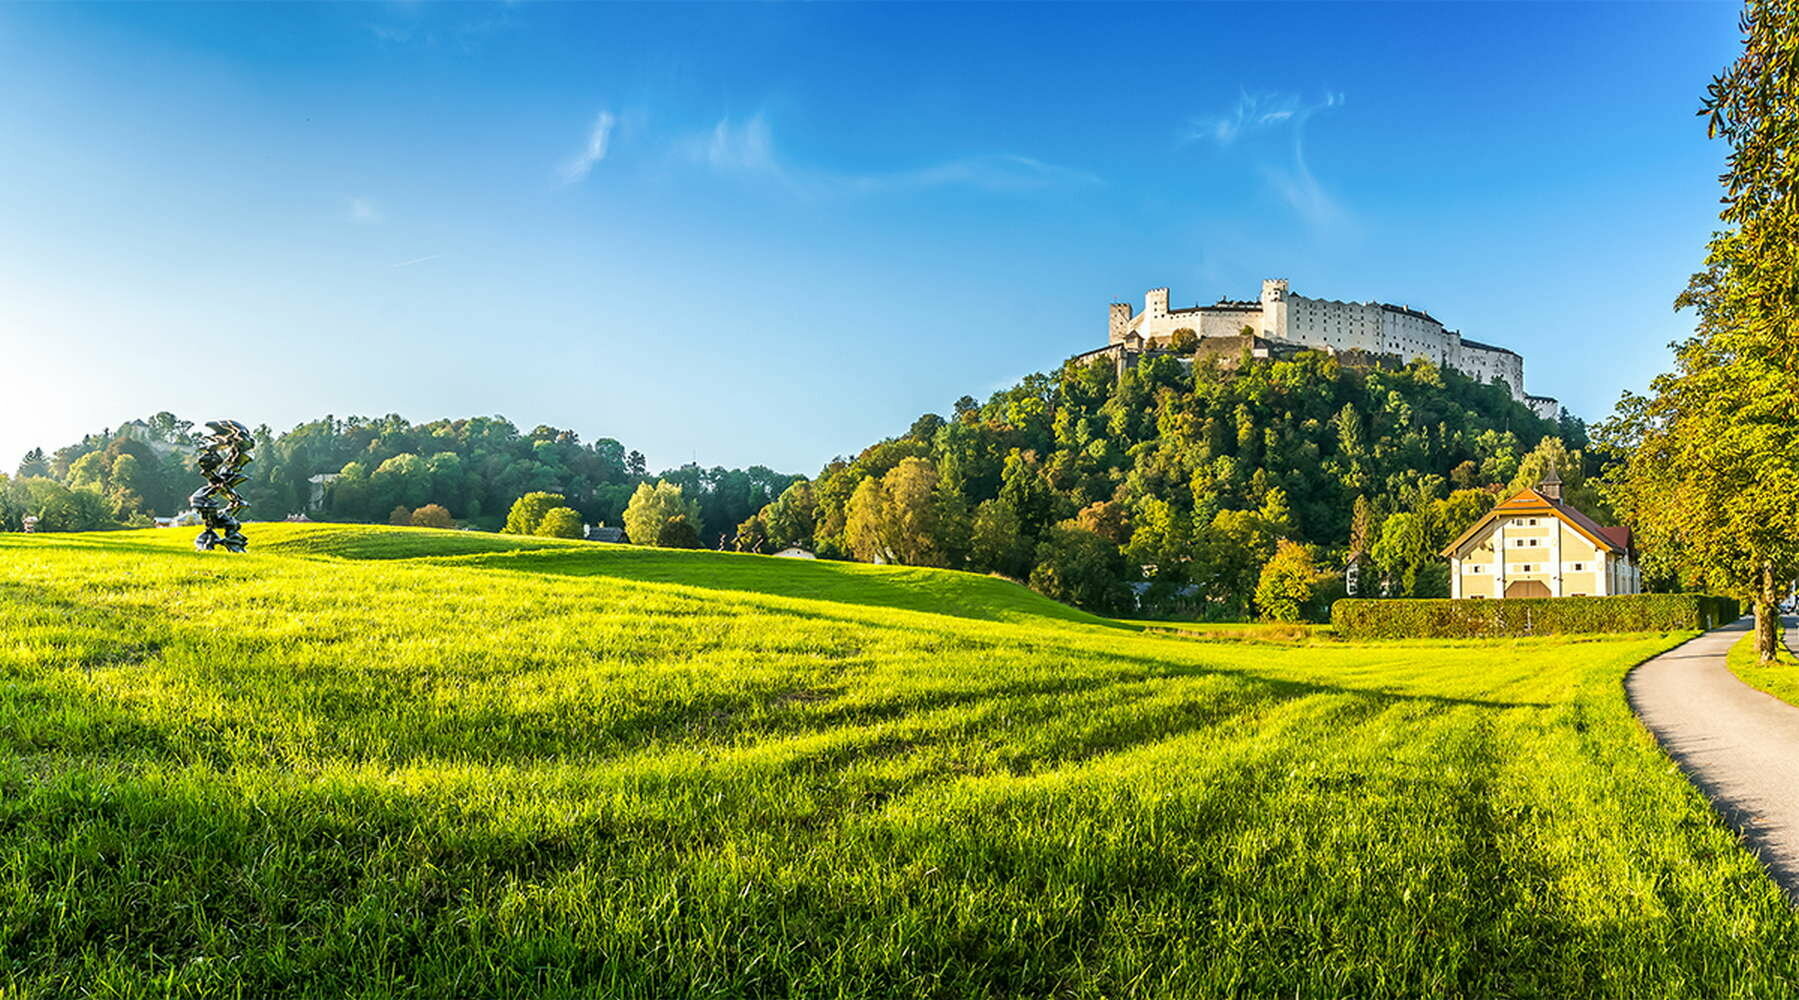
{"points": [[396, 762], [966, 595]]}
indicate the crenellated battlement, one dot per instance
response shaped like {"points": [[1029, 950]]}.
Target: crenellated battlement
{"points": [[1284, 318]]}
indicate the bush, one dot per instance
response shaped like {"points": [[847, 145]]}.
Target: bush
{"points": [[560, 522], [1360, 618], [400, 516], [1076, 566], [1286, 583], [661, 514], [529, 509], [432, 515]]}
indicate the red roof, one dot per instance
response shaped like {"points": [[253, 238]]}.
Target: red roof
{"points": [[1529, 501]]}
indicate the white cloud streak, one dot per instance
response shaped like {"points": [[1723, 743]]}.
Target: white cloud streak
{"points": [[599, 137], [1292, 181], [748, 148], [417, 260]]}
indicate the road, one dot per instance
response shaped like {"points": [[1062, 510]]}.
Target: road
{"points": [[1740, 746]]}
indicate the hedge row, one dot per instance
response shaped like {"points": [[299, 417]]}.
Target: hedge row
{"points": [[1362, 618]]}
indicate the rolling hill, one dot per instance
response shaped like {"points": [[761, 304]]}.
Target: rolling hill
{"points": [[398, 762]]}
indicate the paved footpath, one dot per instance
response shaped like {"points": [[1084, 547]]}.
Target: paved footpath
{"points": [[1740, 746]]}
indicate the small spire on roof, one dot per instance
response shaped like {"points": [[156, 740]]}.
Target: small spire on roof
{"points": [[1551, 484]]}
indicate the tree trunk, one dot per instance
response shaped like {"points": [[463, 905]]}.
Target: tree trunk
{"points": [[1767, 622]]}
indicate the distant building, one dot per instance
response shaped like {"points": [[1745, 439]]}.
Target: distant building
{"points": [[601, 533], [1282, 319], [1534, 545], [794, 552]]}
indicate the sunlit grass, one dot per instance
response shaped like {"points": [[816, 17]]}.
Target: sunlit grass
{"points": [[366, 761], [1779, 678]]}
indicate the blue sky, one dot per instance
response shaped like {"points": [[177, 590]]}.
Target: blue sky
{"points": [[772, 234]]}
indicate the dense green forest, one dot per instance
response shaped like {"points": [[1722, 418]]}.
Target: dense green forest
{"points": [[474, 469], [1223, 486]]}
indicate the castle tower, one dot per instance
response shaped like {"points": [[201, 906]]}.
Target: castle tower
{"points": [[1120, 319], [1274, 307], [1155, 304]]}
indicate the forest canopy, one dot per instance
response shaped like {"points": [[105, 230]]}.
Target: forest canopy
{"points": [[472, 469], [1187, 478]]}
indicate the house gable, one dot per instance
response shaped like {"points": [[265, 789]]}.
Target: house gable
{"points": [[1528, 503]]}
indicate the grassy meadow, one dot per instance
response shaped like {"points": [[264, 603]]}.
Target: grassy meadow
{"points": [[399, 762]]}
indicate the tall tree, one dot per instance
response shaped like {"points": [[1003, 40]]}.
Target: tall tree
{"points": [[868, 521], [528, 512], [661, 514], [560, 522], [34, 464], [1712, 467]]}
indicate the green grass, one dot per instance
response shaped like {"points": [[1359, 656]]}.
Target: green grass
{"points": [[374, 762], [1779, 678]]}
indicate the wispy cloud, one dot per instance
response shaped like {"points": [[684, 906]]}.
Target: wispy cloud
{"points": [[417, 260], [748, 148], [364, 210], [599, 137], [1253, 113], [1002, 172], [1293, 180]]}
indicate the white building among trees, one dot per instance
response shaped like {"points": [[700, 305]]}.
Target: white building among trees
{"points": [[1322, 324], [1534, 545]]}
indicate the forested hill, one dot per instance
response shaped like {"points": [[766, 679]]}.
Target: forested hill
{"points": [[1190, 478]]}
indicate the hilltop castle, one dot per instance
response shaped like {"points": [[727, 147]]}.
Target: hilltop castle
{"points": [[1281, 319]]}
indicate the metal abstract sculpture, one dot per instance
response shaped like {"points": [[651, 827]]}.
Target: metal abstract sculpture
{"points": [[222, 460]]}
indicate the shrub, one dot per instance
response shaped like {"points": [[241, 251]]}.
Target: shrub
{"points": [[400, 516], [529, 509], [1286, 582], [432, 515], [560, 522], [1076, 566], [661, 514], [1358, 618]]}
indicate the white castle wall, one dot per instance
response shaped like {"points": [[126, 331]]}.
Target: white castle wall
{"points": [[1327, 324]]}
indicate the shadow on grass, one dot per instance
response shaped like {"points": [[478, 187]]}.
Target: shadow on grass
{"points": [[933, 591]]}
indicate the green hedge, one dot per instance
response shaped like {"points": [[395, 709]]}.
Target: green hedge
{"points": [[1362, 618]]}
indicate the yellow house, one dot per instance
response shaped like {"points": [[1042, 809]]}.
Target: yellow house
{"points": [[1534, 545]]}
